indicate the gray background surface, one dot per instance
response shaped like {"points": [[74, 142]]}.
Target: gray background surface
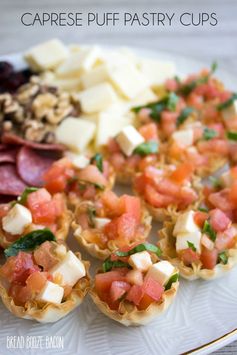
{"points": [[203, 42]]}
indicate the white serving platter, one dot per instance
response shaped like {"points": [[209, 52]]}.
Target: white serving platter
{"points": [[201, 320]]}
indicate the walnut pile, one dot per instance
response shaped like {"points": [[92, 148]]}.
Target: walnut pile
{"points": [[35, 110]]}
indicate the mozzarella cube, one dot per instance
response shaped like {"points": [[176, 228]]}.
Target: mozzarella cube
{"points": [[161, 271], [95, 76], [101, 222], [79, 161], [69, 270], [52, 293], [46, 55], [140, 261], [207, 242], [157, 71], [17, 219], [97, 98], [185, 223], [128, 80], [230, 112], [128, 139], [75, 133], [78, 62], [182, 240], [183, 137], [145, 97]]}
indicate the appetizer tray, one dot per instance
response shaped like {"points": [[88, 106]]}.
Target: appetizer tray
{"points": [[201, 320]]}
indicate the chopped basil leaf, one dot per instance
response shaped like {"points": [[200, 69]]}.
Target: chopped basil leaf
{"points": [[108, 264], [173, 278], [207, 228], [191, 245], [203, 209], [232, 136], [209, 133], [91, 211], [29, 242], [215, 181], [223, 257], [214, 67], [82, 185], [23, 198], [146, 148], [98, 159], [140, 247], [172, 101], [227, 103], [185, 113]]}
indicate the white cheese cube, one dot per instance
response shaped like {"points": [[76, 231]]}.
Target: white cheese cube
{"points": [[230, 112], [97, 98], [183, 137], [78, 62], [140, 261], [185, 223], [128, 80], [145, 97], [79, 161], [95, 76], [52, 293], [17, 219], [156, 71], [101, 222], [109, 125], [207, 242], [161, 271], [69, 270], [182, 240], [128, 139], [75, 133], [46, 55]]}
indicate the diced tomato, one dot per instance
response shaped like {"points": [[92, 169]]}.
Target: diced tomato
{"points": [[188, 256], [156, 199], [135, 277], [38, 197], [92, 174], [135, 294], [175, 150], [131, 205], [126, 226], [118, 160], [36, 281], [4, 208], [226, 239], [218, 220], [111, 202], [216, 145], [168, 187], [113, 146], [209, 258], [233, 192], [18, 268], [149, 132], [147, 161], [171, 84], [195, 100], [111, 229], [153, 288], [118, 289], [56, 178], [145, 302], [133, 161], [139, 183], [44, 256], [183, 172], [221, 200], [20, 294], [200, 218], [103, 281]]}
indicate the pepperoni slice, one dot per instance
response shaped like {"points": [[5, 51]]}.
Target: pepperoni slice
{"points": [[9, 138], [11, 183], [32, 164], [8, 156]]}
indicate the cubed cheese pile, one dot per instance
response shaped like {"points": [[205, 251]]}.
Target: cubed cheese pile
{"points": [[105, 83]]}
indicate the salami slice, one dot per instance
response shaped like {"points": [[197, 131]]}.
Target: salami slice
{"points": [[9, 138], [8, 156], [10, 182], [31, 166]]}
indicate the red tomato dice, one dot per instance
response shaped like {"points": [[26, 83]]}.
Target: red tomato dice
{"points": [[118, 289], [103, 281], [135, 294], [149, 131], [218, 220], [226, 239], [56, 178], [200, 217], [188, 256], [209, 258], [183, 172], [152, 288], [130, 205], [92, 174]]}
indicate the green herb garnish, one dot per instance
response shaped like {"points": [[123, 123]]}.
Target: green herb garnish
{"points": [[173, 279], [146, 148], [98, 159], [203, 209], [172, 101], [29, 242], [207, 228], [214, 67], [209, 133], [108, 264], [140, 247], [91, 211], [82, 185], [185, 113], [232, 136], [223, 257], [23, 198], [191, 245], [215, 181], [227, 103]]}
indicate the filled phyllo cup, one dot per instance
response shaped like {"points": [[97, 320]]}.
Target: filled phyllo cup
{"points": [[132, 150], [81, 177], [109, 223], [168, 189], [200, 244], [41, 279], [134, 286], [35, 209]]}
